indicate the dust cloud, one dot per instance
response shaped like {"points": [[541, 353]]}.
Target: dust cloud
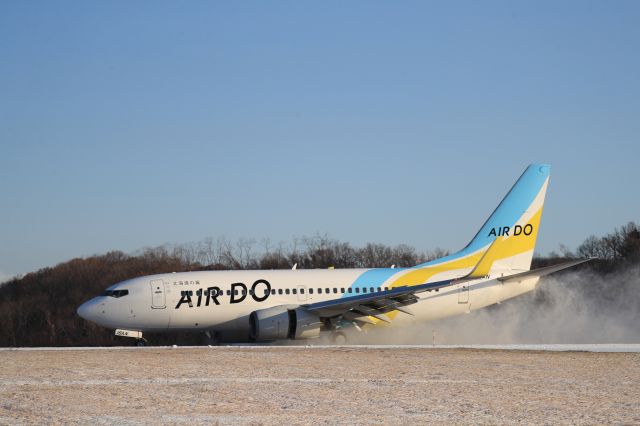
{"points": [[571, 308]]}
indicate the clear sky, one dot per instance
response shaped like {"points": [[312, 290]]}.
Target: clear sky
{"points": [[133, 124]]}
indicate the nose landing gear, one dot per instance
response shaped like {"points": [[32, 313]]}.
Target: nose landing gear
{"points": [[140, 341]]}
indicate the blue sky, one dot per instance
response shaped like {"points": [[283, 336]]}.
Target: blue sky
{"points": [[132, 124]]}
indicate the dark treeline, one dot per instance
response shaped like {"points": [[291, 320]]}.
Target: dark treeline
{"points": [[307, 253], [39, 309]]}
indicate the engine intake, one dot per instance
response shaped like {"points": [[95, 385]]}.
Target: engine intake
{"points": [[279, 323]]}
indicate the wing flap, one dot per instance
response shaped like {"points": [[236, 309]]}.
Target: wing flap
{"points": [[353, 316]]}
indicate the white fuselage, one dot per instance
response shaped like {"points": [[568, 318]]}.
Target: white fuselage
{"points": [[204, 301], [302, 303]]}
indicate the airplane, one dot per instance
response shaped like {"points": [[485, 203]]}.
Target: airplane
{"points": [[272, 305]]}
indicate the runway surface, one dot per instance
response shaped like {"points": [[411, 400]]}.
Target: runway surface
{"points": [[302, 385], [595, 347]]}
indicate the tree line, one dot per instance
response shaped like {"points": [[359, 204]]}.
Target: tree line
{"points": [[39, 309]]}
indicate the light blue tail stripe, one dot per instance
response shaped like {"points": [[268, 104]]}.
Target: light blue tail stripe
{"points": [[375, 277], [516, 202]]}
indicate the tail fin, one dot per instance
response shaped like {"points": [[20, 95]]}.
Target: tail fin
{"points": [[508, 237]]}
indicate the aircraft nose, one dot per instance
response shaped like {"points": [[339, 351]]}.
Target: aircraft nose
{"points": [[87, 310]]}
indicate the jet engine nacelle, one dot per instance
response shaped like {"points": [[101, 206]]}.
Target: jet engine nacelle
{"points": [[279, 322]]}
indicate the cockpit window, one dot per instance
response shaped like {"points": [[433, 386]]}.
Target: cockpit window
{"points": [[115, 293]]}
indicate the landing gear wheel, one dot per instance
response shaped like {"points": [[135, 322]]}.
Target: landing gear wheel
{"points": [[339, 338], [141, 342]]}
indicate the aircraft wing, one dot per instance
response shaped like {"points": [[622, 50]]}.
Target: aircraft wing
{"points": [[362, 306]]}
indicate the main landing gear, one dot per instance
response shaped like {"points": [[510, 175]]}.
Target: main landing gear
{"points": [[339, 338]]}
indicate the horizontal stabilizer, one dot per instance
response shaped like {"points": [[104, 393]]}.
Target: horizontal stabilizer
{"points": [[540, 272]]}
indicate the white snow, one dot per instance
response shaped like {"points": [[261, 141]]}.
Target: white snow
{"points": [[608, 347]]}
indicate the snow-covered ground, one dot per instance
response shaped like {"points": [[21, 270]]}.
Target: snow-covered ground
{"points": [[609, 347], [321, 385], [612, 347]]}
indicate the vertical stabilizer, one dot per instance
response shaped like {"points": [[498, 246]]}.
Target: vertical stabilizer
{"points": [[511, 231]]}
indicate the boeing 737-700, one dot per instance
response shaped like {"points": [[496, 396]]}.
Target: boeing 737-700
{"points": [[268, 305]]}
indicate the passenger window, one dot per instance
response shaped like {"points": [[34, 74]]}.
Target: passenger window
{"points": [[342, 290], [302, 291], [279, 291], [251, 292], [349, 290], [266, 291], [364, 289], [310, 291], [371, 290], [335, 290], [287, 291], [273, 291], [357, 289], [319, 291], [379, 289], [294, 291], [326, 290], [228, 292]]}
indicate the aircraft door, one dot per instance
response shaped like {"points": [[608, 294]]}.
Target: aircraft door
{"points": [[158, 297], [302, 293], [463, 293]]}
